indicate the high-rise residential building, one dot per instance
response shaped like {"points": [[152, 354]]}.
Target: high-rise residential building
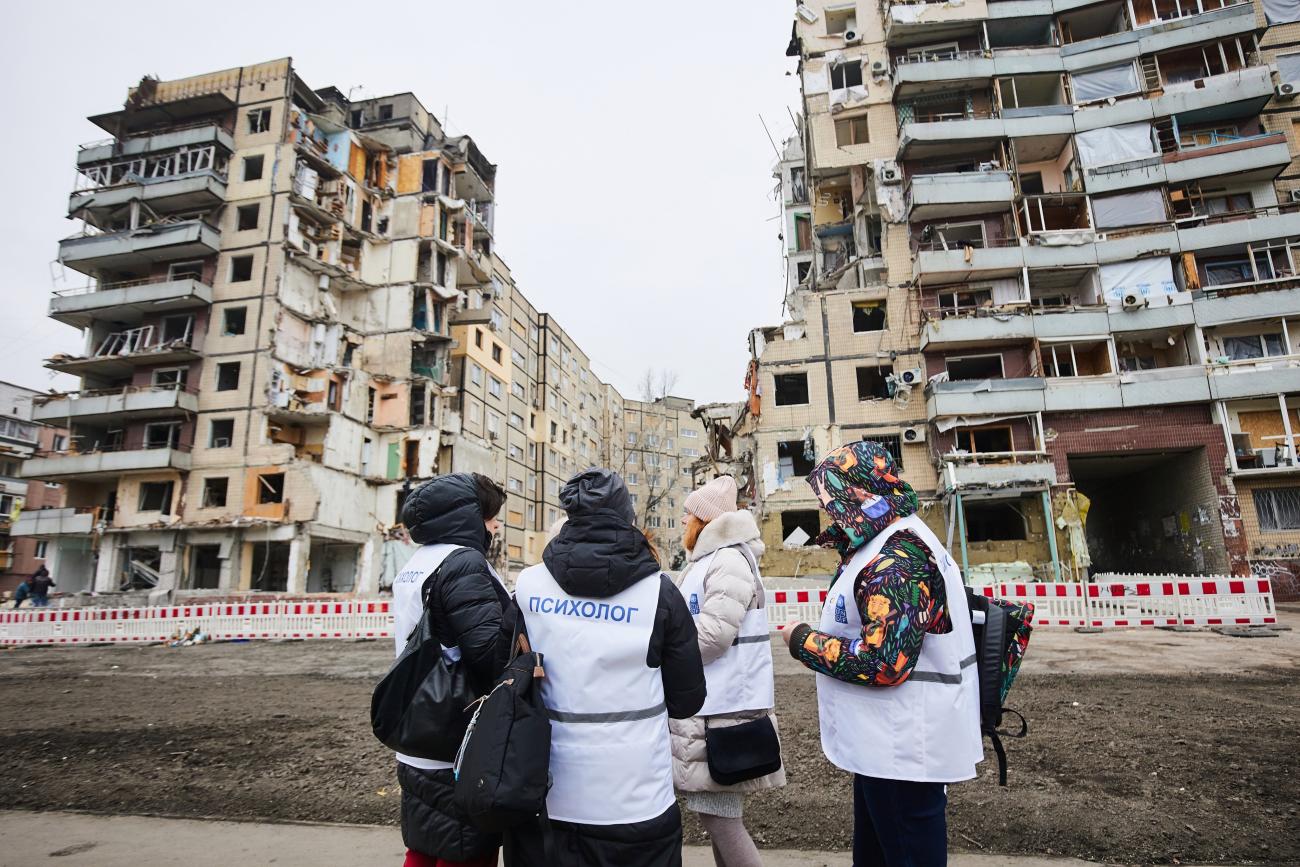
{"points": [[294, 311], [661, 441], [1045, 252]]}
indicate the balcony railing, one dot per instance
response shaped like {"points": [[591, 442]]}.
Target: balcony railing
{"points": [[151, 168]]}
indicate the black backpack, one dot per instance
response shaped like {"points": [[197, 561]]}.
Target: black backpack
{"points": [[420, 708], [502, 770], [1001, 632]]}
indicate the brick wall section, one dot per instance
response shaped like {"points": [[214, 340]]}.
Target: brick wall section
{"points": [[1142, 430]]}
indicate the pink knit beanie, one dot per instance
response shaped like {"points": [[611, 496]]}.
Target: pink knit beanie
{"points": [[713, 499]]}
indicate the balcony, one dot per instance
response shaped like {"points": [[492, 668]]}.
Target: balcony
{"points": [[918, 73], [1006, 470], [141, 247], [1185, 384], [106, 463], [127, 302], [196, 136], [192, 192], [985, 397], [1151, 37], [923, 135], [960, 332], [1064, 393], [934, 265], [1257, 302], [958, 193], [1261, 443], [931, 22], [137, 402], [1257, 377], [1251, 158], [48, 523], [118, 353]]}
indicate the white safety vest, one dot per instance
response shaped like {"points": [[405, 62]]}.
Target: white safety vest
{"points": [[926, 729], [611, 761], [407, 608], [741, 678]]}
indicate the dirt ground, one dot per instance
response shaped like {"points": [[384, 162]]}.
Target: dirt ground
{"points": [[1195, 763]]}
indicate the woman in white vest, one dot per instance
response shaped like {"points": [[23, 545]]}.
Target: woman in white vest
{"points": [[621, 660], [723, 590], [454, 519], [897, 695]]}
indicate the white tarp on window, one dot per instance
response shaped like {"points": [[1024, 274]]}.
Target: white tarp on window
{"points": [[1281, 11], [1115, 144], [1105, 82], [1288, 67], [1145, 277], [1129, 209]]}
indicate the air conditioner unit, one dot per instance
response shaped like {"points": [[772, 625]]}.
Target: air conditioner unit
{"points": [[912, 376], [1286, 90], [852, 37], [879, 68], [914, 434], [1133, 301], [890, 173]]}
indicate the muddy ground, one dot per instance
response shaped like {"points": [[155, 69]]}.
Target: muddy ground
{"points": [[1196, 763]]}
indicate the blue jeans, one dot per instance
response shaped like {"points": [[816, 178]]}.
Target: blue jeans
{"points": [[40, 601], [897, 823]]}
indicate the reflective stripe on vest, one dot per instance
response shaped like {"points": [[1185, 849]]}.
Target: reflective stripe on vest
{"points": [[927, 728], [611, 761], [741, 678]]}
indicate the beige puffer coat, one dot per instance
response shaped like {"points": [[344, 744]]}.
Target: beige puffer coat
{"points": [[730, 590]]}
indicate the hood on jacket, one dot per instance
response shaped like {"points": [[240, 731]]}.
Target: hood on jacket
{"points": [[445, 510], [730, 528], [599, 551], [860, 491]]}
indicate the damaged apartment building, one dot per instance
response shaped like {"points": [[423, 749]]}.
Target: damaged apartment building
{"points": [[293, 312], [1045, 252]]}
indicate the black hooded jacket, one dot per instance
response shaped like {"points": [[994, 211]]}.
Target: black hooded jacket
{"points": [[599, 552], [471, 611]]}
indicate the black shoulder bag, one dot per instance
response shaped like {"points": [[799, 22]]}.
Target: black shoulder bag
{"points": [[422, 705]]}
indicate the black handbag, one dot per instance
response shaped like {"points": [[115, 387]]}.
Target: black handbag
{"points": [[742, 752], [422, 705]]}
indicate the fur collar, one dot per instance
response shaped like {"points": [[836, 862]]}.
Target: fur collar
{"points": [[729, 528]]}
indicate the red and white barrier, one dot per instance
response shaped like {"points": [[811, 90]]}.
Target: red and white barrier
{"points": [[1171, 601]]}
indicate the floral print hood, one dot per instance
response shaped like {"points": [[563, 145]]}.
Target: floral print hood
{"points": [[860, 491]]}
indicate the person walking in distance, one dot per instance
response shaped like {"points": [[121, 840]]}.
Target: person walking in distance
{"points": [[40, 584], [621, 659], [724, 593], [454, 519], [897, 693]]}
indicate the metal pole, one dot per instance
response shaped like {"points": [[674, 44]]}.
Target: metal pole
{"points": [[1051, 535], [961, 528]]}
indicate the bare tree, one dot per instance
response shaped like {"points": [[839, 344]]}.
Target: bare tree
{"points": [[656, 384], [650, 446]]}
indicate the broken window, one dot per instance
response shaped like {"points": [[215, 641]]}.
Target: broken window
{"points": [[801, 270], [478, 338], [156, 497], [840, 20], [253, 167], [228, 376], [246, 217], [873, 382], [221, 433], [890, 443], [429, 176], [869, 316], [793, 458], [994, 521], [496, 353], [170, 376], [270, 566], [164, 435], [848, 74], [370, 405], [1278, 508], [185, 271], [1252, 346], [214, 492], [852, 131], [806, 520], [177, 328], [270, 488], [1076, 359], [418, 415], [975, 367], [791, 388], [985, 440], [241, 269], [965, 299], [259, 120], [386, 111], [233, 320]]}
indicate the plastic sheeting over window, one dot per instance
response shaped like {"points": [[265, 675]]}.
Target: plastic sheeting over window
{"points": [[1129, 209], [1105, 82], [1144, 277], [1115, 144], [1281, 11]]}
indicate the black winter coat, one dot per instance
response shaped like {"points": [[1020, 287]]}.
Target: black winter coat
{"points": [[472, 611], [598, 553]]}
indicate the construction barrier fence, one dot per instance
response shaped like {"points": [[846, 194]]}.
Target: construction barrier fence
{"points": [[1154, 601]]}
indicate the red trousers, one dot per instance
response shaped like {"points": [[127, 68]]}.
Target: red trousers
{"points": [[419, 859]]}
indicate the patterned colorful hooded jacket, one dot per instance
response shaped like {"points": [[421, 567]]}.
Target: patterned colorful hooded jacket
{"points": [[900, 593]]}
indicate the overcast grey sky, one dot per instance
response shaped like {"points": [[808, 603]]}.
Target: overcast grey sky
{"points": [[634, 179]]}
